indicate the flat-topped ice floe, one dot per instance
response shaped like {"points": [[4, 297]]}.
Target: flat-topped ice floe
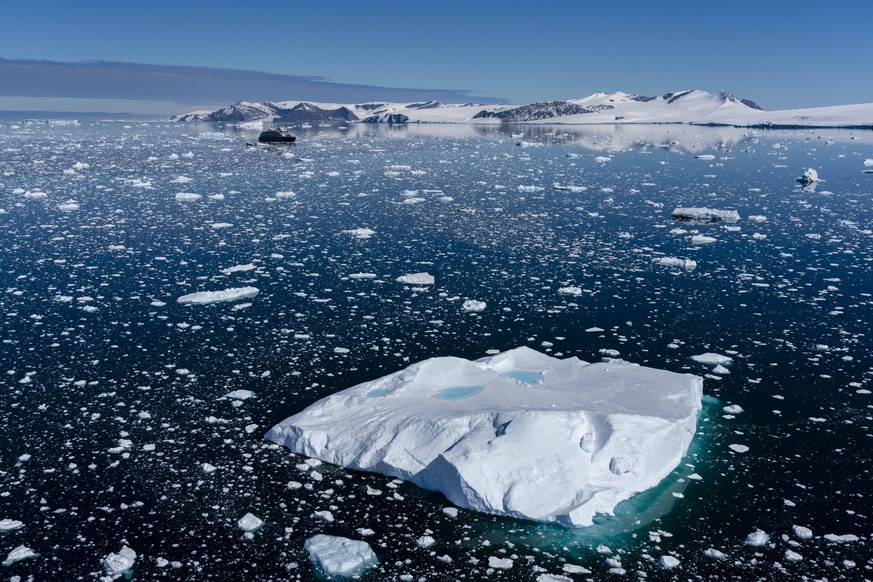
{"points": [[519, 433], [224, 295], [339, 556], [706, 214]]}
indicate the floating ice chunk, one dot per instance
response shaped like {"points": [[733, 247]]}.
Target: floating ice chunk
{"points": [[553, 578], [802, 533], [339, 556], [473, 306], [757, 538], [69, 206], [841, 539], [118, 565], [792, 556], [712, 359], [739, 448], [668, 562], [425, 541], [188, 197], [10, 524], [239, 395], [719, 369], [220, 225], [238, 269], [700, 239], [18, 554], [705, 157], [733, 409], [715, 554], [530, 189], [416, 279], [362, 276], [570, 291], [206, 297], [249, 523], [687, 264], [480, 451], [868, 162], [602, 159], [705, 214], [809, 176], [360, 232], [499, 563]]}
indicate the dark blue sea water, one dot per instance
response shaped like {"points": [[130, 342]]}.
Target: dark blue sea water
{"points": [[112, 401]]}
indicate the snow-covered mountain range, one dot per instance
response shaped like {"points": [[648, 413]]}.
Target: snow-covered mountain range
{"points": [[691, 107]]}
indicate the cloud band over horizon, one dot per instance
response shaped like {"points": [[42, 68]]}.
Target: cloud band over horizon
{"points": [[194, 86]]}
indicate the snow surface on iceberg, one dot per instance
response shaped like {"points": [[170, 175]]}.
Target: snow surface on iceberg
{"points": [[519, 433]]}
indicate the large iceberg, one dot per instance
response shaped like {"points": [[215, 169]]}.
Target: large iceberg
{"points": [[519, 433]]}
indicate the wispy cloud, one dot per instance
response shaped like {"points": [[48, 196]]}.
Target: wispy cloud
{"points": [[193, 85]]}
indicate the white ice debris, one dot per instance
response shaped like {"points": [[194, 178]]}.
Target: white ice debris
{"points": [[715, 554], [117, 565], [712, 359], [249, 523], [570, 291], [416, 279], [868, 162], [809, 176], [700, 239], [668, 562], [188, 197], [802, 533], [705, 157], [499, 563], [473, 305], [361, 233], [706, 214], [18, 554], [519, 433], [239, 395], [687, 264], [757, 538], [10, 524], [339, 556], [205, 297]]}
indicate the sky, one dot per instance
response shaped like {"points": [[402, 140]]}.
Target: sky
{"points": [[779, 54]]}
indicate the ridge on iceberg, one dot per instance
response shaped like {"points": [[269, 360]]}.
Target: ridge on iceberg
{"points": [[520, 433]]}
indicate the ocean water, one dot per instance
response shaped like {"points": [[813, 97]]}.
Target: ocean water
{"points": [[116, 427]]}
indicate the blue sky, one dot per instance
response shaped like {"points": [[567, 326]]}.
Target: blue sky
{"points": [[780, 54]]}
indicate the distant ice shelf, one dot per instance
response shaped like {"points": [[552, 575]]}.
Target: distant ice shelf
{"points": [[520, 433]]}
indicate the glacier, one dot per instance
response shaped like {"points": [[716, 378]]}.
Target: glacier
{"points": [[519, 433]]}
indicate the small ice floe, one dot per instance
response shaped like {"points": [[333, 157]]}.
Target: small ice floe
{"points": [[220, 225], [18, 554], [712, 359], [809, 176], [239, 395], [739, 448], [868, 162], [705, 214], [575, 291], [360, 233], [10, 524], [602, 159], [69, 206], [499, 563], [471, 305], [802, 533], [757, 538], [687, 264], [339, 556], [188, 197], [249, 523], [733, 409], [668, 562], [425, 541], [705, 157], [714, 554], [700, 239], [416, 279], [206, 297], [238, 269], [118, 565]]}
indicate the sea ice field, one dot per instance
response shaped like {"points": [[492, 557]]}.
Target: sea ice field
{"points": [[169, 295]]}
